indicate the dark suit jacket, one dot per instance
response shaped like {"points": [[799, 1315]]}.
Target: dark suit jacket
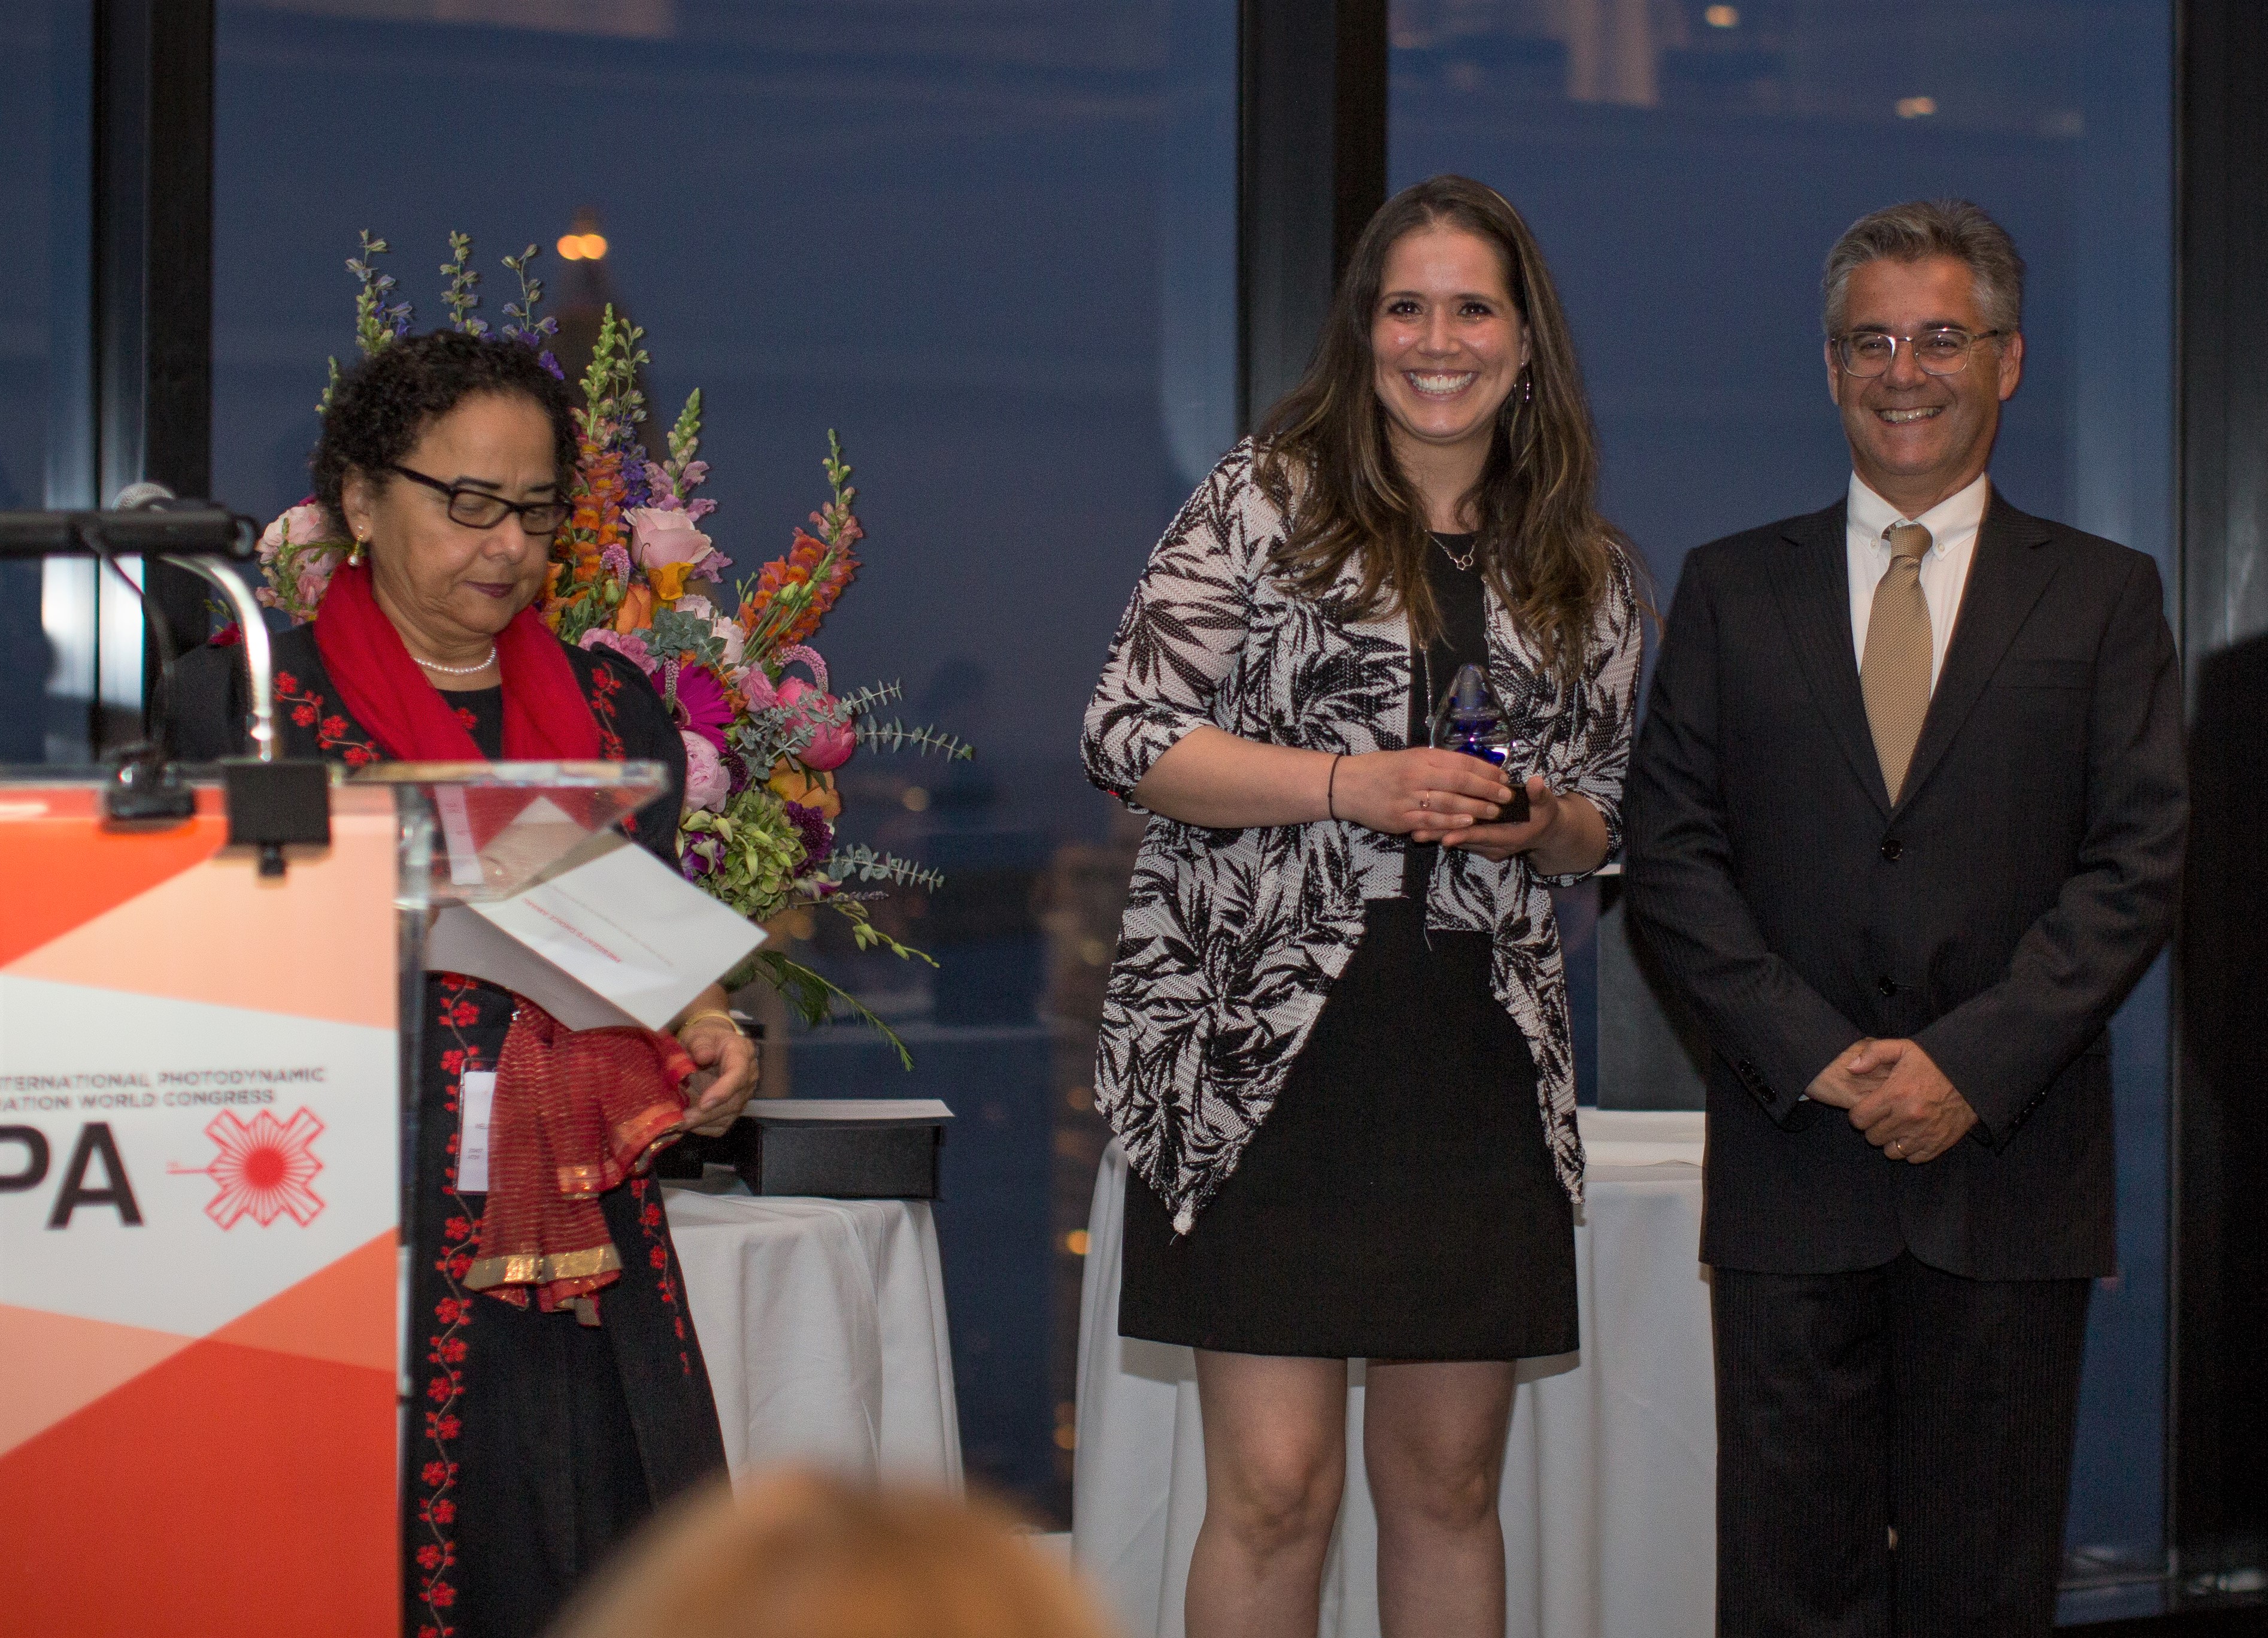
{"points": [[1998, 914]]}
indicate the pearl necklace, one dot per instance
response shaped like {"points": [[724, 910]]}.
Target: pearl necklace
{"points": [[456, 671]]}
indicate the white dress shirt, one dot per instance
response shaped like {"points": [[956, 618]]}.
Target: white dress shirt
{"points": [[1952, 524]]}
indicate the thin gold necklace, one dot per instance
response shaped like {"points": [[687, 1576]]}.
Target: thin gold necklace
{"points": [[1465, 562]]}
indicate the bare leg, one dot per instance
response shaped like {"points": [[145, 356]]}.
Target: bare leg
{"points": [[1433, 1438], [1274, 1450]]}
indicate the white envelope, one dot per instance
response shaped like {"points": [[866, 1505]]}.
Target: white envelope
{"points": [[617, 939]]}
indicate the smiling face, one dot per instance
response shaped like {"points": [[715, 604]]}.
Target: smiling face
{"points": [[1917, 438], [1446, 346], [448, 588]]}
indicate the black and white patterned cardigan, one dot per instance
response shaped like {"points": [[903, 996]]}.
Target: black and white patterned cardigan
{"points": [[1232, 937]]}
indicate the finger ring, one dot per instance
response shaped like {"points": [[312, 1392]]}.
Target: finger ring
{"points": [[1897, 1146], [1425, 799]]}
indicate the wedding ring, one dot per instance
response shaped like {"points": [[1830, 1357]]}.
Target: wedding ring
{"points": [[1897, 1147], [1425, 798]]}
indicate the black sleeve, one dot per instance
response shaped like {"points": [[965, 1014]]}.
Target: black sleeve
{"points": [[2003, 1047], [647, 736], [210, 698], [1775, 1030]]}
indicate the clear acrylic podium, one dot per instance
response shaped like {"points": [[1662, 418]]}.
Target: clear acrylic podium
{"points": [[207, 1088]]}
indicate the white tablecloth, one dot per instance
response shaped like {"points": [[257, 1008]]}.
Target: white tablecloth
{"points": [[1609, 1500], [823, 1321]]}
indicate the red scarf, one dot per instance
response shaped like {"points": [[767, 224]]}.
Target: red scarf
{"points": [[577, 1112], [546, 719], [574, 1113]]}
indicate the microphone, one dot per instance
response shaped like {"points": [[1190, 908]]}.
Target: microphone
{"points": [[147, 788], [149, 495]]}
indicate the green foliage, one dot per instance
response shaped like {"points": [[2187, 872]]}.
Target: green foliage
{"points": [[674, 632], [861, 863], [814, 998], [895, 735], [461, 298], [610, 385]]}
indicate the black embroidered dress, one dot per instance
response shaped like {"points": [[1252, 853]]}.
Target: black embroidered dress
{"points": [[537, 1442]]}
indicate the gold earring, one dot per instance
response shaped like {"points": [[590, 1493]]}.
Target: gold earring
{"points": [[361, 542]]}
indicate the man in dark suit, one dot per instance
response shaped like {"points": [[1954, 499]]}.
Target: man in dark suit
{"points": [[1905, 826]]}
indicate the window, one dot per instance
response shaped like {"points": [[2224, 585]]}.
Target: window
{"points": [[47, 611], [991, 242], [1686, 168]]}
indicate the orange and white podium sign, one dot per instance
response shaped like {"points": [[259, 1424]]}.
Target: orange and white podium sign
{"points": [[199, 1172]]}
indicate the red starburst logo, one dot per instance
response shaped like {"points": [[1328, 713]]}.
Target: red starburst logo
{"points": [[263, 1170]]}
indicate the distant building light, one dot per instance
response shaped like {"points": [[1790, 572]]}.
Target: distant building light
{"points": [[582, 246], [1916, 107], [1722, 16]]}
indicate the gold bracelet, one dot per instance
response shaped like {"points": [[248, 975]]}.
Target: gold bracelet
{"points": [[727, 1017]]}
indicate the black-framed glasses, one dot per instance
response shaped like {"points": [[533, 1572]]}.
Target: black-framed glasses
{"points": [[1941, 351], [477, 509]]}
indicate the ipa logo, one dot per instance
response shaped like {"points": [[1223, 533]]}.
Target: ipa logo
{"points": [[263, 1170]]}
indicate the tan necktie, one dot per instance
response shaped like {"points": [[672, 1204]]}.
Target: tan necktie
{"points": [[1894, 674]]}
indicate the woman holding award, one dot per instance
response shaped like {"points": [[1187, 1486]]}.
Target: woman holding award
{"points": [[561, 1389], [1335, 1042]]}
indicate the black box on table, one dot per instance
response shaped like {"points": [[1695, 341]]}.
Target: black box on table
{"points": [[837, 1148]]}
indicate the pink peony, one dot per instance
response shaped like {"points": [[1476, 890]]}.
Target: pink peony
{"points": [[660, 536], [707, 784]]}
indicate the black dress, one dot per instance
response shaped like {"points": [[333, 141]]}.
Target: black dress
{"points": [[1399, 1201], [537, 1442]]}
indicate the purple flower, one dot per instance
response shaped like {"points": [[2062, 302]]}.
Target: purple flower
{"points": [[817, 835]]}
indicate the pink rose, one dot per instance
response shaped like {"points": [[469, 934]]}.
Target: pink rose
{"points": [[707, 784], [658, 537], [297, 527], [734, 639]]}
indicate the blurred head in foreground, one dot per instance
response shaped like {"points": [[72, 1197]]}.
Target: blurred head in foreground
{"points": [[804, 1556]]}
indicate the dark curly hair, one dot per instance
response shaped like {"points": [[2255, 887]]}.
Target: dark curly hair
{"points": [[385, 403]]}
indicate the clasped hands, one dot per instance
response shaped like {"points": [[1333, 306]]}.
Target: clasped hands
{"points": [[1446, 797], [1894, 1095]]}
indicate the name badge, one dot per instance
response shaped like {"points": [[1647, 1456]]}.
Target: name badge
{"points": [[476, 1105]]}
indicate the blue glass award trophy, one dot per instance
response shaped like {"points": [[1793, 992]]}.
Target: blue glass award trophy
{"points": [[1468, 719]]}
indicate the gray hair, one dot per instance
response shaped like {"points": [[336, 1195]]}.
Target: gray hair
{"points": [[1921, 228]]}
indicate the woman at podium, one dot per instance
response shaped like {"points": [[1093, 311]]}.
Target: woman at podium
{"points": [[561, 1390]]}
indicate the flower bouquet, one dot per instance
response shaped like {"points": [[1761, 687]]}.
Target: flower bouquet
{"points": [[633, 570]]}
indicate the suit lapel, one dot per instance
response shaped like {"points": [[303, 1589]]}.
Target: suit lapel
{"points": [[1815, 600], [2006, 576]]}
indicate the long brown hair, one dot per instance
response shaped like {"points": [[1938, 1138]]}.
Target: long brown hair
{"points": [[1547, 553]]}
